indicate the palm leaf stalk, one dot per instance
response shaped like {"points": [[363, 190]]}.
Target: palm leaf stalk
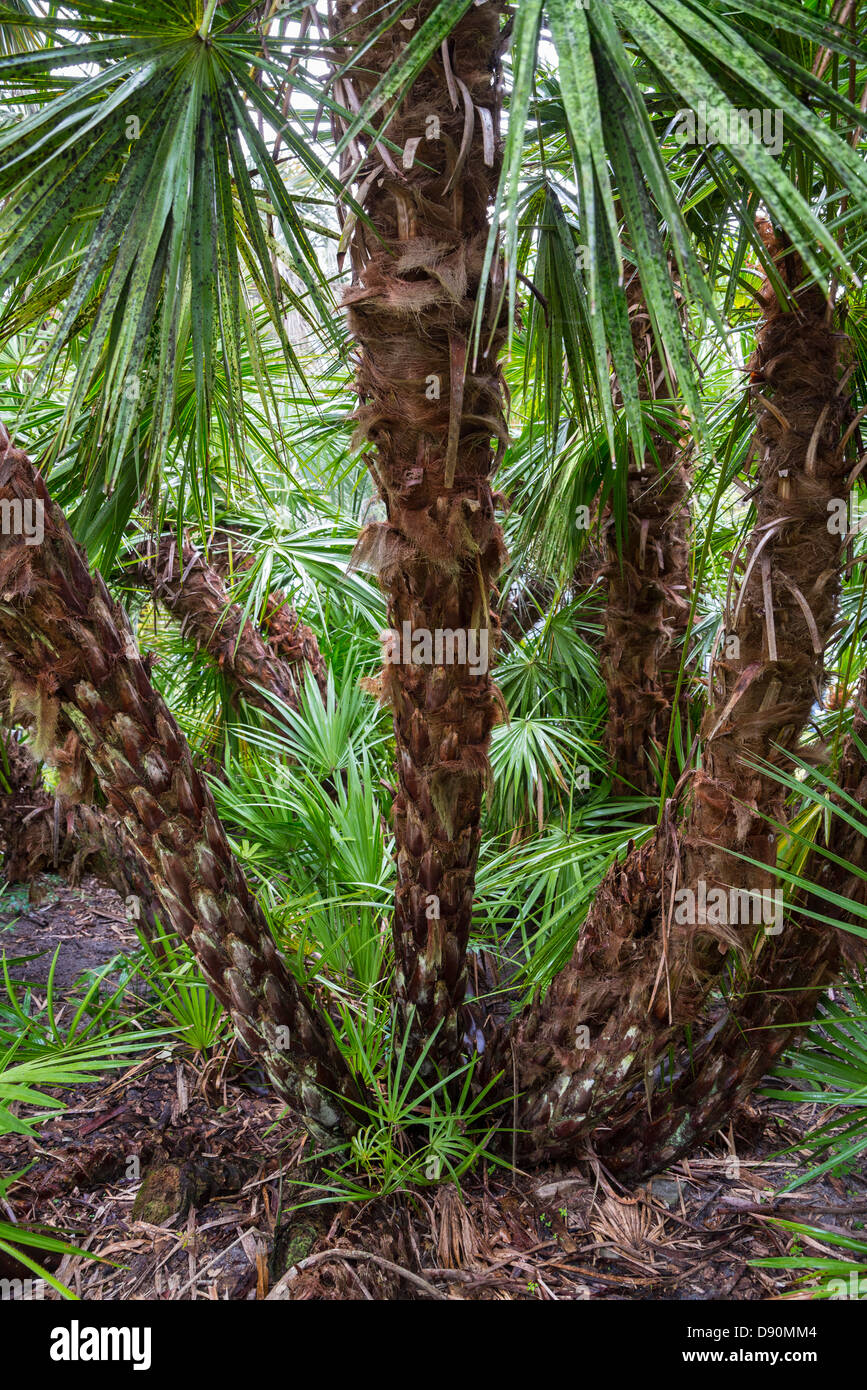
{"points": [[68, 650]]}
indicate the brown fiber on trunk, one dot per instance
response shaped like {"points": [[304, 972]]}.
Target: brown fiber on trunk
{"points": [[765, 682], [783, 981], [785, 978], [430, 414], [67, 651], [41, 832], [288, 637], [588, 1060], [104, 848], [646, 581], [193, 591], [27, 822], [293, 641]]}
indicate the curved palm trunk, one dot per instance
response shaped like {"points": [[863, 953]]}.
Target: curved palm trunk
{"points": [[194, 592], [43, 832], [69, 653], [784, 982], [589, 1059], [769, 676], [33, 830], [64, 832], [647, 584], [293, 641], [104, 848], [430, 415]]}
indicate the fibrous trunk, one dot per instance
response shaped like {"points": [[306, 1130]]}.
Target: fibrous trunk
{"points": [[42, 832], [646, 580], [769, 1001], [30, 833], [592, 1059], [104, 848], [430, 412], [293, 641], [769, 667], [68, 651], [193, 591]]}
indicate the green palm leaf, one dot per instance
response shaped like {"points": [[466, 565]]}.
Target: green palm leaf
{"points": [[150, 184]]}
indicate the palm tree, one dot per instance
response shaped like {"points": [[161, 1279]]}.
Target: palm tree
{"points": [[637, 959], [430, 413], [647, 580], [86, 679], [167, 342]]}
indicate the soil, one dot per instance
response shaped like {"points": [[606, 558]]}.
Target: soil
{"points": [[185, 1177], [86, 926]]}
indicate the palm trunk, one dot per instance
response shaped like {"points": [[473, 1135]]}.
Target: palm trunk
{"points": [[785, 981], [647, 585], [638, 977], [67, 651], [41, 832], [293, 641], [766, 681], [430, 415], [103, 848], [194, 592]]}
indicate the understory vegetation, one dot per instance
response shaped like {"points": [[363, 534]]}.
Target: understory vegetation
{"points": [[432, 584]]}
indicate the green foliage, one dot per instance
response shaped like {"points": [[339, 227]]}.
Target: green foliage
{"points": [[533, 896], [319, 844], [624, 73], [171, 352], [823, 1276], [161, 139], [829, 1069], [169, 969], [419, 1133], [38, 1054], [50, 1051]]}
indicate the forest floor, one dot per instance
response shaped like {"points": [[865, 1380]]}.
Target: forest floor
{"points": [[184, 1178]]}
